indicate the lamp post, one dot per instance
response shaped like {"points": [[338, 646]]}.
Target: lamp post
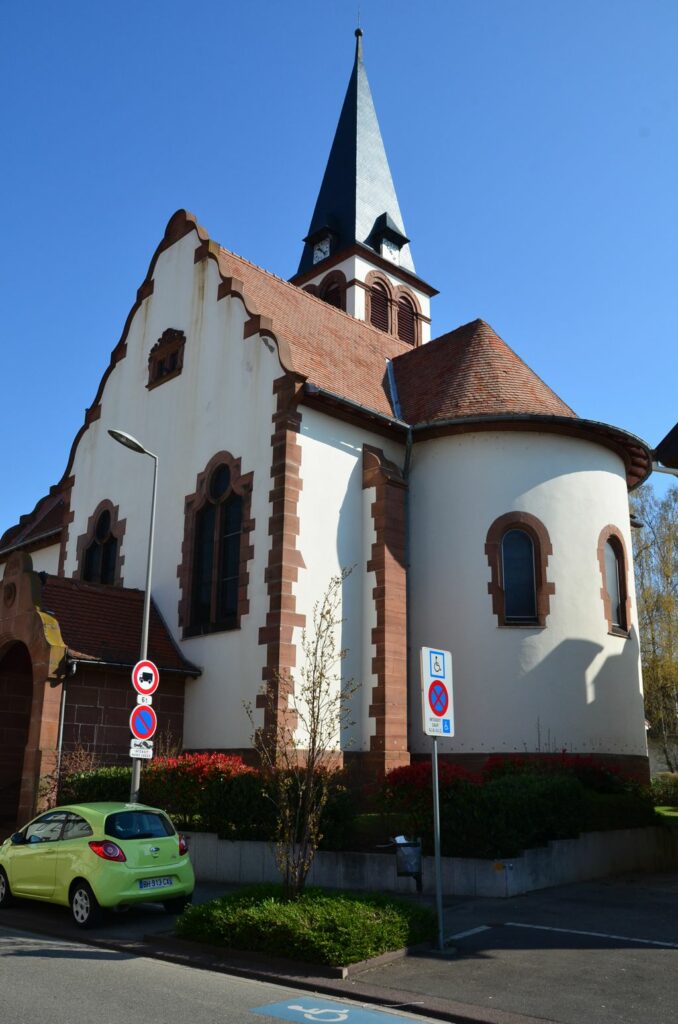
{"points": [[131, 442]]}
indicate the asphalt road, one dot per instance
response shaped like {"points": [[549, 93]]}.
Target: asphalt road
{"points": [[603, 952], [66, 982]]}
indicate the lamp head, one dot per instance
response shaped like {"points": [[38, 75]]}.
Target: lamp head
{"points": [[129, 442]]}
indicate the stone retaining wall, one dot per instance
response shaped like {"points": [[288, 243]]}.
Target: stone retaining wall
{"points": [[592, 855]]}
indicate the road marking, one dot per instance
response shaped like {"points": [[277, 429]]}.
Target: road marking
{"points": [[315, 1010], [471, 931], [595, 935]]}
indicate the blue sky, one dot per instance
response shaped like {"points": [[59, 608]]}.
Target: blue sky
{"points": [[533, 143]]}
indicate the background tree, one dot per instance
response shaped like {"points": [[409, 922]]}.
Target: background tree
{"points": [[655, 549], [300, 753]]}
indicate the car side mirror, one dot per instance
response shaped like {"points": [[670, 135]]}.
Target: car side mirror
{"points": [[18, 838]]}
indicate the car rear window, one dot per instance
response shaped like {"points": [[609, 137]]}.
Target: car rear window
{"points": [[138, 825]]}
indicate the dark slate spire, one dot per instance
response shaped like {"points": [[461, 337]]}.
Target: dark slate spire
{"points": [[357, 200]]}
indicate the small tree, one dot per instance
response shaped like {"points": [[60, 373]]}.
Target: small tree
{"points": [[299, 751], [656, 563]]}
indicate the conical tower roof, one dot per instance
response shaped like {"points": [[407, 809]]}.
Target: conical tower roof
{"points": [[471, 372], [357, 188]]}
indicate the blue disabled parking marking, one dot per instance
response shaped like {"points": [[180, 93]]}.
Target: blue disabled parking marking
{"points": [[326, 1011]]}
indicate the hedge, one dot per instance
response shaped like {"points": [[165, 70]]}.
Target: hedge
{"points": [[319, 927], [512, 807], [210, 793], [665, 789]]}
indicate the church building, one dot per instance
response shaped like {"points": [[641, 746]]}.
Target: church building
{"points": [[303, 427]]}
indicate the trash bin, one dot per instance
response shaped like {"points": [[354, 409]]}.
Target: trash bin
{"points": [[408, 858]]}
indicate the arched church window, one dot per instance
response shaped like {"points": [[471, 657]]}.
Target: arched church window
{"points": [[216, 549], [518, 549], [517, 577], [98, 549], [379, 303], [406, 321], [614, 591]]}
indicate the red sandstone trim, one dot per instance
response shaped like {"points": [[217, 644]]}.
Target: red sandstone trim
{"points": [[118, 527], [542, 550], [284, 560], [242, 484], [607, 533]]}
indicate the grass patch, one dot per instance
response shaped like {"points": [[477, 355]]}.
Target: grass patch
{"points": [[321, 927], [669, 815]]}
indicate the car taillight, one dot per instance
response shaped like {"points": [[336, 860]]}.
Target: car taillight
{"points": [[108, 851], [183, 844]]}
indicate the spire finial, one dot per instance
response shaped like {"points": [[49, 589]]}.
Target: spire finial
{"points": [[358, 43]]}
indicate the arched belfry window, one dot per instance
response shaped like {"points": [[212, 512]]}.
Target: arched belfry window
{"points": [[406, 321], [98, 549], [333, 289], [216, 549], [614, 591], [518, 549], [379, 306]]}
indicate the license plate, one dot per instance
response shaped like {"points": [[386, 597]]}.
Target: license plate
{"points": [[154, 883]]}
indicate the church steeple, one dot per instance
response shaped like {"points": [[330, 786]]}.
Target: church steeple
{"points": [[356, 255], [357, 202]]}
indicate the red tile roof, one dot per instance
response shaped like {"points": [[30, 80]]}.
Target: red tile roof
{"points": [[43, 523], [102, 623], [470, 372], [329, 347]]}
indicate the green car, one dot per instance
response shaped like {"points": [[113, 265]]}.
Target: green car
{"points": [[98, 855]]}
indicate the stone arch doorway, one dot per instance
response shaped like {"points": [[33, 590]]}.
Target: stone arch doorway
{"points": [[16, 697]]}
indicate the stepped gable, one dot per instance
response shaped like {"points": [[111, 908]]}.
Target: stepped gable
{"points": [[329, 347], [471, 372], [100, 623]]}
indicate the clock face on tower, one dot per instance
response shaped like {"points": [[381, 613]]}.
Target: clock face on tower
{"points": [[390, 251], [321, 250]]}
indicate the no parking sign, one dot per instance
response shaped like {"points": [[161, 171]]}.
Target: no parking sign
{"points": [[436, 692]]}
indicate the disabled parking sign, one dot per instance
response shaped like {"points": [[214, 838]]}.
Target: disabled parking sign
{"points": [[436, 692]]}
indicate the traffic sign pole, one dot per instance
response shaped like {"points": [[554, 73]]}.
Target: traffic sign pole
{"points": [[436, 845], [136, 763]]}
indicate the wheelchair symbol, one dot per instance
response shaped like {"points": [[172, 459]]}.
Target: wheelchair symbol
{"points": [[329, 1015]]}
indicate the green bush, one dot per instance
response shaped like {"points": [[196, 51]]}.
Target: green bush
{"points": [[665, 789], [211, 793], [516, 806], [98, 784], [319, 927]]}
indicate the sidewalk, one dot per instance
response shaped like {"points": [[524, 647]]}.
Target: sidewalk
{"points": [[602, 952]]}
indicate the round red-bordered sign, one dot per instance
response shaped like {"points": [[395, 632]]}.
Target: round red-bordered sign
{"points": [[438, 698], [143, 722], [145, 677]]}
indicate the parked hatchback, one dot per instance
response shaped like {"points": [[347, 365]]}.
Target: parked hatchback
{"points": [[97, 855]]}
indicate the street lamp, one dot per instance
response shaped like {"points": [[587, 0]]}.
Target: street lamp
{"points": [[131, 442]]}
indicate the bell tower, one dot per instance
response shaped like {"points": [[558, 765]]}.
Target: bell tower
{"points": [[356, 254]]}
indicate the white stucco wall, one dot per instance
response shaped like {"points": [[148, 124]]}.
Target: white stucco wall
{"points": [[523, 689], [44, 560], [222, 400], [337, 532]]}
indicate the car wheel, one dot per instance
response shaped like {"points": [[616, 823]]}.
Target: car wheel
{"points": [[84, 907], [177, 905], [6, 898]]}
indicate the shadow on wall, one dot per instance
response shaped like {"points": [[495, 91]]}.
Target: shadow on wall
{"points": [[606, 693], [350, 556]]}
